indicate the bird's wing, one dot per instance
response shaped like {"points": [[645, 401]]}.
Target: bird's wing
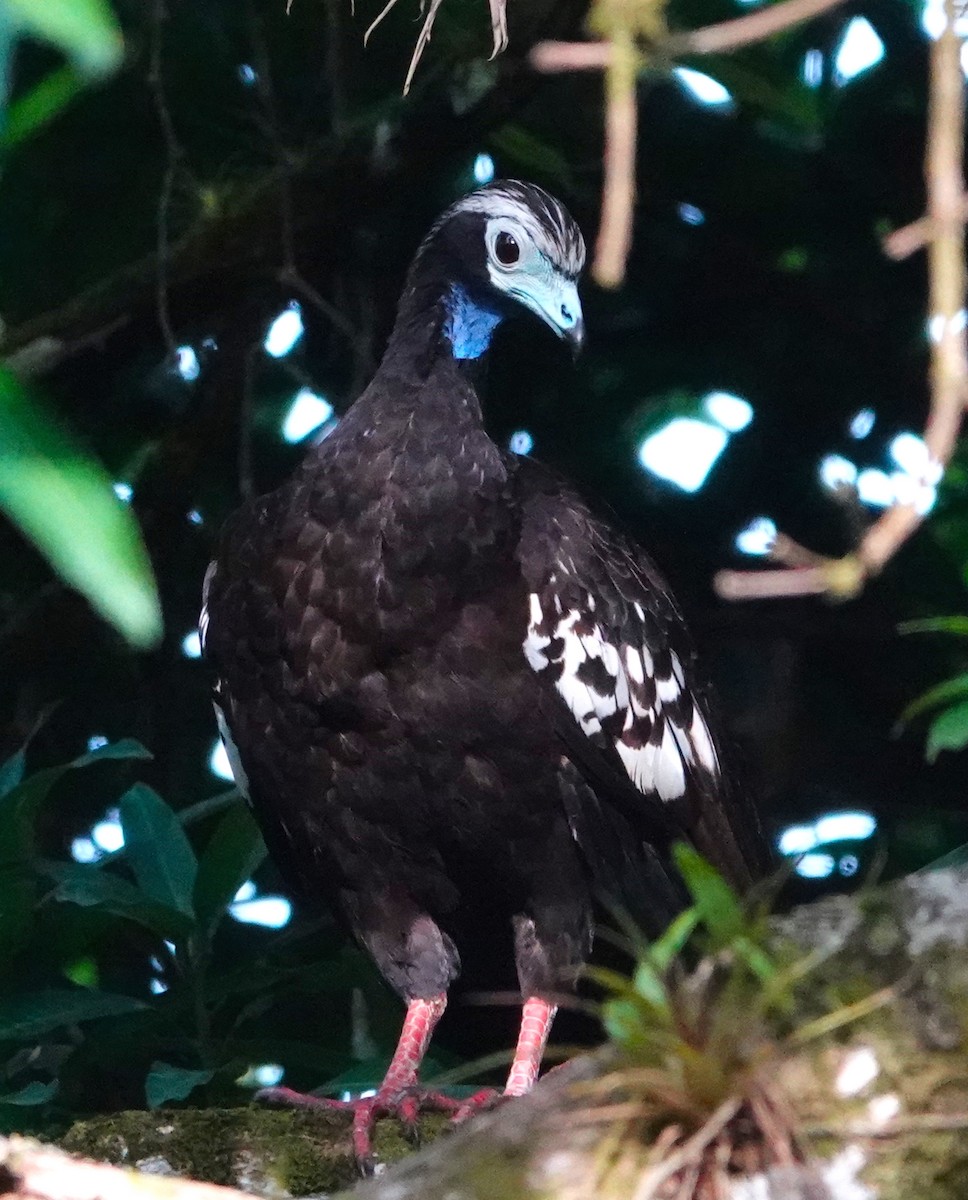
{"points": [[606, 635]]}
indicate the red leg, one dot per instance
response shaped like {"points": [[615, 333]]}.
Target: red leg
{"points": [[536, 1018], [398, 1094]]}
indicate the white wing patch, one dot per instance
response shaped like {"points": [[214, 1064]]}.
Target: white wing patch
{"points": [[613, 689], [203, 615]]}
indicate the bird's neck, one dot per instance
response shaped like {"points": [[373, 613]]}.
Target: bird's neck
{"points": [[440, 320]]}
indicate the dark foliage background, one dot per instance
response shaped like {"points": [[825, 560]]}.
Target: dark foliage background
{"points": [[243, 159]]}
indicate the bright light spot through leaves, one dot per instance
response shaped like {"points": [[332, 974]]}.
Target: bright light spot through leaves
{"points": [[218, 762], [847, 826], [860, 49], [268, 1074], [875, 488], [837, 472], [123, 491], [521, 442], [815, 866], [107, 834], [730, 411], [271, 911], [245, 892], [933, 20], [691, 215], [910, 453], [306, 413], [811, 72], [83, 850], [192, 645], [861, 423], [683, 452], [483, 169], [757, 538], [186, 361], [285, 331], [703, 87]]}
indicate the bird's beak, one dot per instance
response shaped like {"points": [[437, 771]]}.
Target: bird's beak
{"points": [[559, 307]]}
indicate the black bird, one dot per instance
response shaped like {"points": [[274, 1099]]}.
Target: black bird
{"points": [[453, 696]]}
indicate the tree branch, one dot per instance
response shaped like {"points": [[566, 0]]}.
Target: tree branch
{"points": [[945, 230], [621, 60]]}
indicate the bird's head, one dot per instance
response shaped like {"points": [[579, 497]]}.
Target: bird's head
{"points": [[506, 247]]}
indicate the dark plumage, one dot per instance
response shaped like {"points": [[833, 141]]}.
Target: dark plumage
{"points": [[454, 694]]}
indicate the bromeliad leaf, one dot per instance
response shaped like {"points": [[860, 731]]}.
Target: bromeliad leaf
{"points": [[62, 500], [949, 731], [157, 849], [716, 903], [671, 944], [32, 1014], [166, 1082], [233, 854]]}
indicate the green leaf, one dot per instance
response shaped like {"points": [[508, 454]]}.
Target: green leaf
{"points": [[673, 941], [648, 983], [63, 501], [86, 31], [941, 693], [32, 1014], [719, 909], [623, 1022], [19, 806], [157, 849], [37, 107], [166, 1082], [233, 854], [12, 771], [89, 887], [756, 958], [953, 625], [31, 1094], [949, 731]]}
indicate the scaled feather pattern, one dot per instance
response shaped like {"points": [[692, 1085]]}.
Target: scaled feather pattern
{"points": [[460, 704]]}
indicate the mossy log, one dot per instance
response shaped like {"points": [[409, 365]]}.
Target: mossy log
{"points": [[877, 1097]]}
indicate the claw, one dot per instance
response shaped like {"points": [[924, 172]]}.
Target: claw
{"points": [[405, 1106]]}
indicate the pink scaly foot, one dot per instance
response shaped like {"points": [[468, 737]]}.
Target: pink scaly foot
{"points": [[536, 1018], [399, 1094]]}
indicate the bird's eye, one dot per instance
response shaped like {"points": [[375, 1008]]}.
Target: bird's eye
{"points": [[507, 250]]}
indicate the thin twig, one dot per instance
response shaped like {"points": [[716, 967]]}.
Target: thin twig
{"points": [[726, 36], [903, 242], [174, 152], [721, 38], [944, 181], [618, 189]]}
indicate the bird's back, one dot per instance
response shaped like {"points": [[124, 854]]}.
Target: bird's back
{"points": [[366, 622]]}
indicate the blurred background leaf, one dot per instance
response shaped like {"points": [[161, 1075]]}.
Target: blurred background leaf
{"points": [[63, 501]]}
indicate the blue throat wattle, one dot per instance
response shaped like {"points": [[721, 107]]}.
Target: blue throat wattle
{"points": [[470, 324]]}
